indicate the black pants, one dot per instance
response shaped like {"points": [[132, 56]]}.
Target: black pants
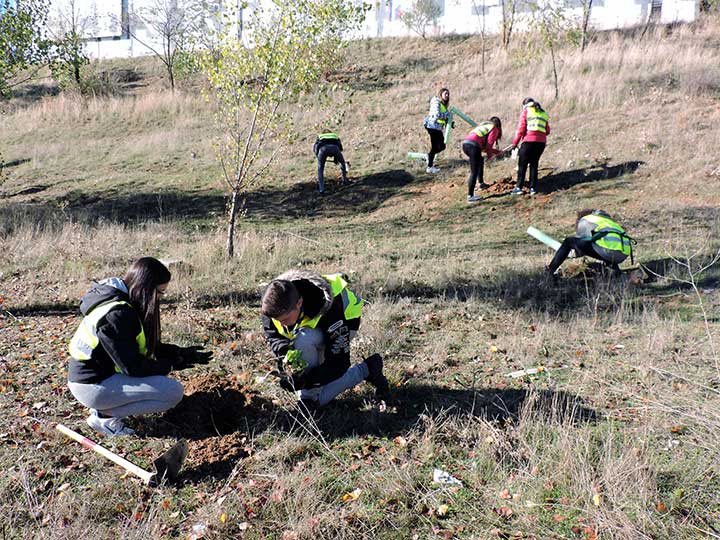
{"points": [[437, 144], [474, 152], [329, 150], [529, 154], [581, 246]]}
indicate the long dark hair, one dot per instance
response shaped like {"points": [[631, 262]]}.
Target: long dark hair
{"points": [[142, 280], [498, 124], [533, 103]]}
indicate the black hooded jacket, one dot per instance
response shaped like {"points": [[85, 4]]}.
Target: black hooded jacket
{"points": [[317, 298], [117, 332]]}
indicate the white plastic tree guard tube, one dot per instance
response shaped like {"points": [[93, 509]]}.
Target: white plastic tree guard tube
{"points": [[448, 128], [417, 155], [544, 238]]}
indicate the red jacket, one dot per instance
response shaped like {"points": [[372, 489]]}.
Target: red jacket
{"points": [[485, 143], [522, 134]]}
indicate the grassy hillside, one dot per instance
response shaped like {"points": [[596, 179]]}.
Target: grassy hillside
{"points": [[618, 438]]}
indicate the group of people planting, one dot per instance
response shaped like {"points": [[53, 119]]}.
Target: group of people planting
{"points": [[530, 137], [119, 365], [530, 140]]}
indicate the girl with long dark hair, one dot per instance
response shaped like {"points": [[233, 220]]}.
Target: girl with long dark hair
{"points": [[118, 364], [482, 138]]}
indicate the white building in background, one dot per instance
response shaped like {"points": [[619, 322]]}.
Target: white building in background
{"points": [[110, 29], [469, 16]]}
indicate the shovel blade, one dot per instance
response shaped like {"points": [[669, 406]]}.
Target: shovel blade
{"points": [[169, 464]]}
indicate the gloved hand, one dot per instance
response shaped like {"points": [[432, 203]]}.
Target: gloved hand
{"points": [[294, 360], [192, 356]]}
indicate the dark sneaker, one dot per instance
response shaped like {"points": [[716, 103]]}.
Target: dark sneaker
{"points": [[482, 186], [376, 377]]}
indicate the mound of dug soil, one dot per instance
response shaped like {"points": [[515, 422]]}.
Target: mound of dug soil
{"points": [[501, 185], [215, 416]]}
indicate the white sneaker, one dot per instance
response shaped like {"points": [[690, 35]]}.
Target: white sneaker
{"points": [[432, 170], [474, 198], [108, 426]]}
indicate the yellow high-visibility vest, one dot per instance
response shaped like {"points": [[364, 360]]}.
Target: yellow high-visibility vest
{"points": [[352, 307], [614, 237], [483, 129], [537, 120], [85, 339]]}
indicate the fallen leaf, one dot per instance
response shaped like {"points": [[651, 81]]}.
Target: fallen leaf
{"points": [[290, 535], [442, 510], [223, 517], [596, 499], [503, 511], [244, 526], [400, 441], [557, 518], [505, 494], [661, 507]]}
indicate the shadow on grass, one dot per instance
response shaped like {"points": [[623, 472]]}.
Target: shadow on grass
{"points": [[221, 421], [566, 179], [14, 163], [300, 200], [363, 195], [672, 275], [515, 289], [44, 310], [110, 206], [412, 401]]}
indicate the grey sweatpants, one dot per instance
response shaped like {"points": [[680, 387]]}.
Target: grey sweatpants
{"points": [[121, 396], [311, 343]]}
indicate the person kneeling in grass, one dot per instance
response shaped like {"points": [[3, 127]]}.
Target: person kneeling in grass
{"points": [[309, 321], [118, 365], [597, 235]]}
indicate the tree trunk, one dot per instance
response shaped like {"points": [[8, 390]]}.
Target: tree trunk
{"points": [[555, 75], [231, 224], [587, 7], [76, 71]]}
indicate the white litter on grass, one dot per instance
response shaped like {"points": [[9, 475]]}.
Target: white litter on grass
{"points": [[532, 371], [445, 478]]}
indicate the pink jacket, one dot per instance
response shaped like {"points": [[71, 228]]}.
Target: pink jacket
{"points": [[522, 134], [485, 143]]}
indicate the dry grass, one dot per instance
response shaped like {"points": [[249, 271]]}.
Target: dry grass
{"points": [[618, 439]]}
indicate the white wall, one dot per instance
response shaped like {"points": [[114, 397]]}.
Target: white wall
{"points": [[101, 19], [461, 17]]}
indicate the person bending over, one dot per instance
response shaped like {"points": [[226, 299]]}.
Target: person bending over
{"points": [[598, 236], [328, 145], [309, 321], [482, 138], [118, 364]]}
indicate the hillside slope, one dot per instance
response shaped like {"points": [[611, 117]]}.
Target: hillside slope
{"points": [[617, 438]]}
